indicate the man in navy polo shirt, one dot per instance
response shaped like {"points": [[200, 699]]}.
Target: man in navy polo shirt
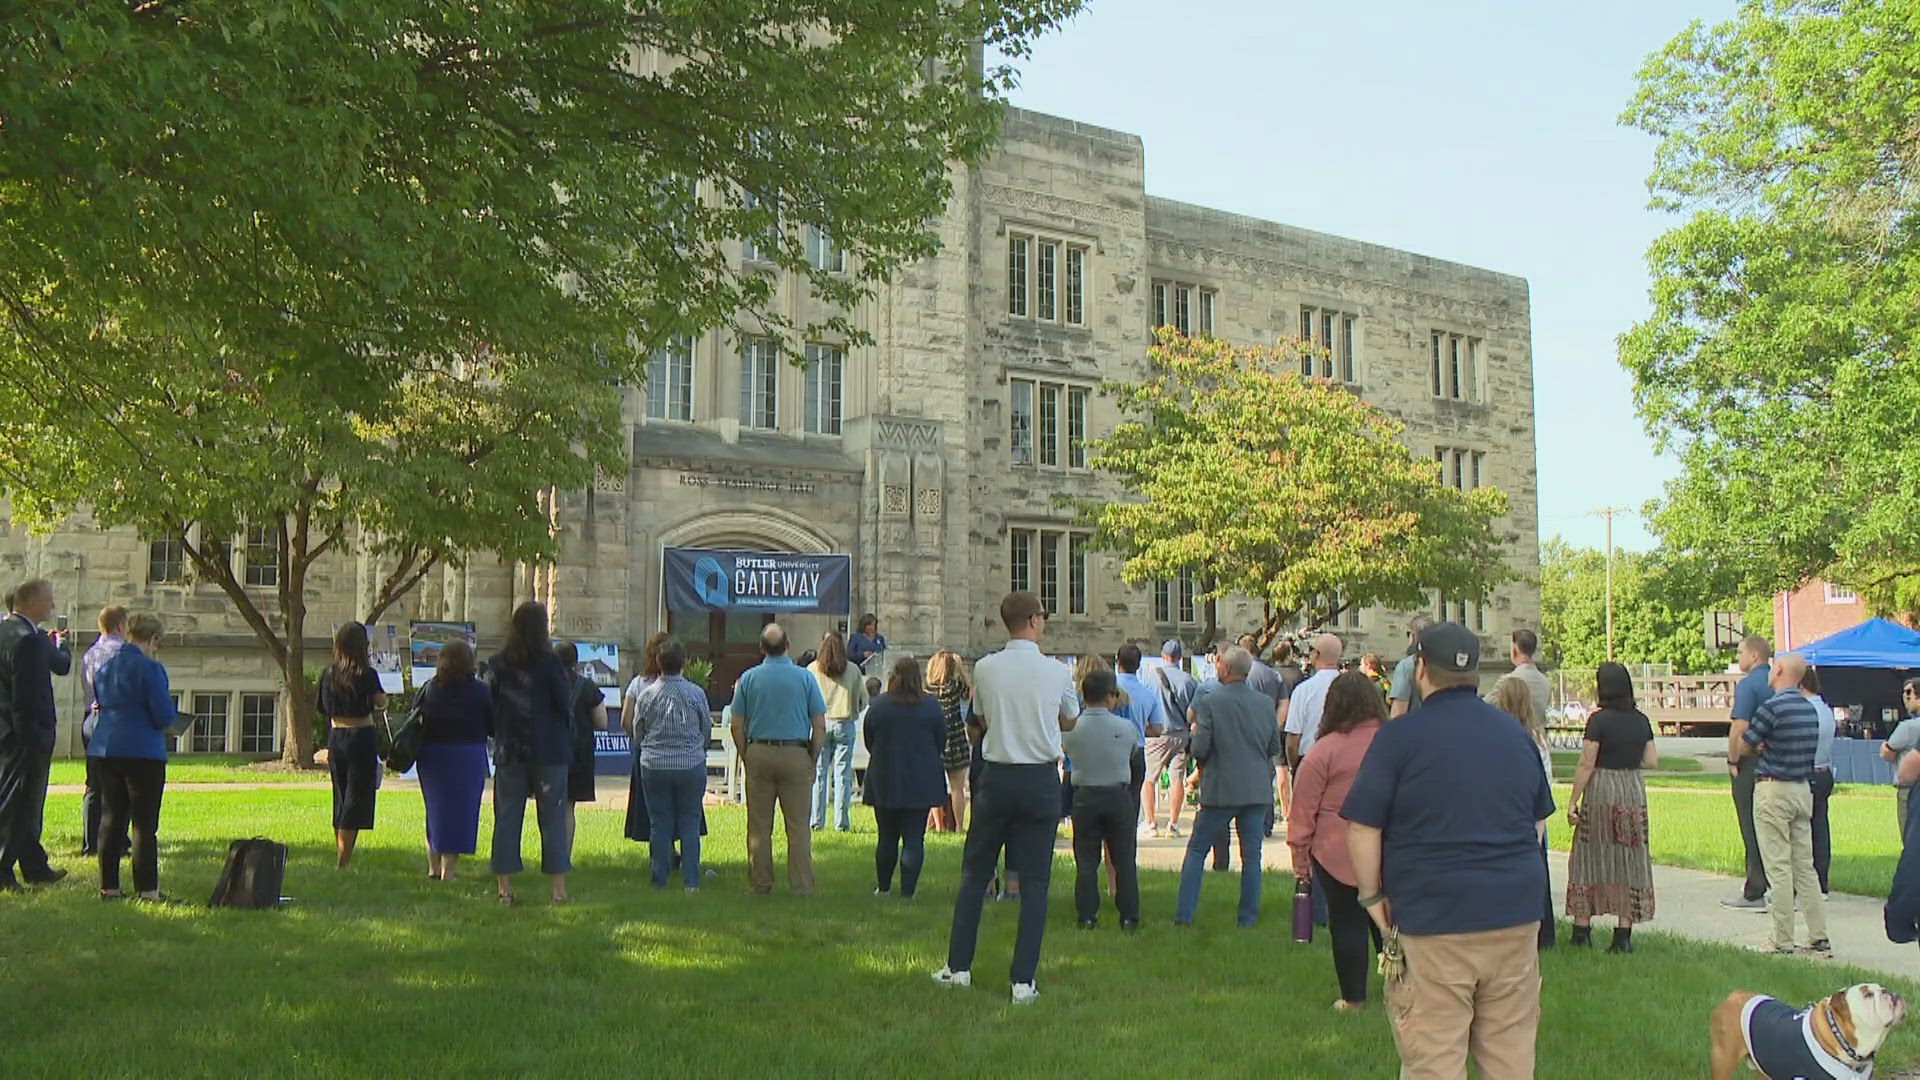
{"points": [[1755, 659], [1781, 740], [1446, 816], [779, 724]]}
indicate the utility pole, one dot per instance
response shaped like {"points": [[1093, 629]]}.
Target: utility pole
{"points": [[1607, 513]]}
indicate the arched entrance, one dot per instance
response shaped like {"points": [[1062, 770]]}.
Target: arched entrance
{"points": [[730, 640]]}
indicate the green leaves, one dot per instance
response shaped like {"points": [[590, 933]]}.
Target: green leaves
{"points": [[1289, 490], [1779, 358]]}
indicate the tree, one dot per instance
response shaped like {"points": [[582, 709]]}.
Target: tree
{"points": [[1779, 360], [1286, 489], [372, 272], [1659, 609]]}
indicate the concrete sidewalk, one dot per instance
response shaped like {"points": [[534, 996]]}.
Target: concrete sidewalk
{"points": [[1687, 904]]}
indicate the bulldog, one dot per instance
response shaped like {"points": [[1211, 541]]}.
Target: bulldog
{"points": [[1836, 1036]]}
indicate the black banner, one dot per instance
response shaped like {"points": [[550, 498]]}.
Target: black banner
{"points": [[716, 579]]}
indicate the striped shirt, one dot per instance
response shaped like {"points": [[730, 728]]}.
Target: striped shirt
{"points": [[1786, 731]]}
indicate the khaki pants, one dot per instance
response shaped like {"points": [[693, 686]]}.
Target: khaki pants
{"points": [[1467, 993], [1783, 816], [782, 774]]}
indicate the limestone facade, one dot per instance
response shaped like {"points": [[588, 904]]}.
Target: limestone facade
{"points": [[959, 430]]}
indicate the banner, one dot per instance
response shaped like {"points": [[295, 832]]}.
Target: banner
{"points": [[715, 579], [425, 641]]}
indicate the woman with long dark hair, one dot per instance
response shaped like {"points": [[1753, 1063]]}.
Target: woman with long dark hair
{"points": [[533, 746], [844, 688], [639, 824], [1352, 715], [587, 715], [905, 734], [1609, 869], [457, 715], [348, 695]]}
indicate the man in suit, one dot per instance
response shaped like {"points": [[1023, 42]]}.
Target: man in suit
{"points": [[1236, 742], [28, 661]]}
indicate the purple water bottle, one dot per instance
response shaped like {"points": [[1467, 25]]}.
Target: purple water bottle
{"points": [[1302, 911]]}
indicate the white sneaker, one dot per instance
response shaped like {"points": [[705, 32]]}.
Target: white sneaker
{"points": [[1173, 829], [947, 977], [1024, 993], [1147, 831]]}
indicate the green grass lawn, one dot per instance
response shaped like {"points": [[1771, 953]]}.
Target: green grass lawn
{"points": [[1696, 828], [1681, 769], [377, 971], [203, 769]]}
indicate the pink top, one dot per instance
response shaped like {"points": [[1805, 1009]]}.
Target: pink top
{"points": [[1314, 825]]}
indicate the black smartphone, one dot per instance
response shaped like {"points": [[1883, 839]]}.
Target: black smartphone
{"points": [[60, 623]]}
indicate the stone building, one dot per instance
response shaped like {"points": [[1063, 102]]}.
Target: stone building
{"points": [[935, 456]]}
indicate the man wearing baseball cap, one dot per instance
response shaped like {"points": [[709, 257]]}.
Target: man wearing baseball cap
{"points": [[1446, 816], [1168, 752]]}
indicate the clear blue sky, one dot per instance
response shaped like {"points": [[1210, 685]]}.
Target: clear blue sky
{"points": [[1483, 132]]}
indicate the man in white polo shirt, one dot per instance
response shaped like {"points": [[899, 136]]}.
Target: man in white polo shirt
{"points": [[1022, 701], [1302, 710]]}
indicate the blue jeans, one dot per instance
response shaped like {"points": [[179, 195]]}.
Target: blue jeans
{"points": [[673, 803], [836, 761], [1210, 822], [513, 784]]}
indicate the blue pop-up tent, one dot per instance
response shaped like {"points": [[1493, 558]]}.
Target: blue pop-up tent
{"points": [[1861, 669], [1875, 643]]}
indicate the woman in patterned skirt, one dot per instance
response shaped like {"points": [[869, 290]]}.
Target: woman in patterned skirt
{"points": [[948, 684], [1610, 871]]}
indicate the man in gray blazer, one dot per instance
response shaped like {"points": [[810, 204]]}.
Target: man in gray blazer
{"points": [[1235, 739]]}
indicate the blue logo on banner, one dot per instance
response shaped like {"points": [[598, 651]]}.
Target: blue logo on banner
{"points": [[710, 582]]}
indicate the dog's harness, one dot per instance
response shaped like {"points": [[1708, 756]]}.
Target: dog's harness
{"points": [[1782, 1044]]}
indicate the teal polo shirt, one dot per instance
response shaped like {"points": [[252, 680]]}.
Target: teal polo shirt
{"points": [[779, 699]]}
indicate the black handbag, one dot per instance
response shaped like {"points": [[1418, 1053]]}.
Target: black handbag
{"points": [[403, 742]]}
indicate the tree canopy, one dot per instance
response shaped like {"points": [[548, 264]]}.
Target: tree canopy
{"points": [[1659, 609], [1289, 490], [1779, 359], [377, 269]]}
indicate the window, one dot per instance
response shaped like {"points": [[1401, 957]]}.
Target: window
{"points": [[209, 732], [825, 364], [1046, 281], [1050, 274], [1021, 414], [257, 723], [1076, 286], [1049, 424], [759, 378], [1046, 549], [1057, 441], [1162, 602], [1837, 594], [759, 246], [263, 556], [1185, 593], [1461, 469], [1017, 275], [670, 380], [1020, 565], [1076, 428], [1077, 574], [1332, 331], [1050, 572], [824, 252], [1456, 366], [1479, 617], [1179, 303], [166, 562]]}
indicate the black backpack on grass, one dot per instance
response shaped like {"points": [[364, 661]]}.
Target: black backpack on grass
{"points": [[253, 875]]}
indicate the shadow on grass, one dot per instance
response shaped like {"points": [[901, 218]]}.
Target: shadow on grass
{"points": [[377, 971]]}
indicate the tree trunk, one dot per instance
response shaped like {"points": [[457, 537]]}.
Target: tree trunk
{"points": [[296, 711]]}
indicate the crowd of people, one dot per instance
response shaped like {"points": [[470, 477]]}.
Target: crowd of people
{"points": [[1415, 809]]}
